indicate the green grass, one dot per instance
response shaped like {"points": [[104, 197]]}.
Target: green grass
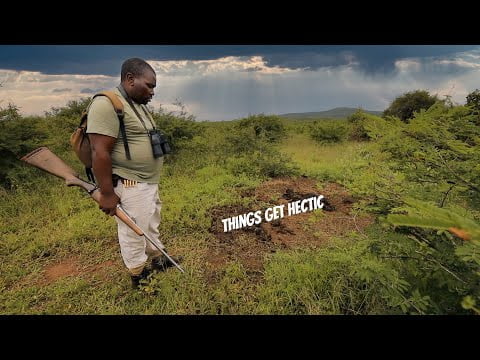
{"points": [[43, 223], [48, 223], [325, 162]]}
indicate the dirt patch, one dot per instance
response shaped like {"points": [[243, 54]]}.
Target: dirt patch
{"points": [[73, 267], [249, 245], [57, 271]]}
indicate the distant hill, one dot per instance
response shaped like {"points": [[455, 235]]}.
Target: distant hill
{"points": [[337, 113]]}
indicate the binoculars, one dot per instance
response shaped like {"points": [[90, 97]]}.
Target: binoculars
{"points": [[159, 143]]}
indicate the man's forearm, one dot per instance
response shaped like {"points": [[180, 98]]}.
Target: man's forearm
{"points": [[102, 169]]}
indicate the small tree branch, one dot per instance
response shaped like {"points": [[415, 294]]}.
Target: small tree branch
{"points": [[445, 196]]}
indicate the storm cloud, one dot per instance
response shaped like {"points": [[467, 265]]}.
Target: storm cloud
{"points": [[228, 82], [107, 59]]}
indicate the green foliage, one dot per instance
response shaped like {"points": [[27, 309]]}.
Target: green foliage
{"points": [[439, 147], [268, 163], [425, 215], [342, 278], [73, 109], [325, 132], [18, 136], [473, 103], [179, 128], [360, 123], [434, 157], [9, 113], [407, 104], [262, 127], [458, 222], [249, 148], [420, 266], [473, 100]]}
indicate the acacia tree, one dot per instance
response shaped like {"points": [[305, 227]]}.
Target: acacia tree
{"points": [[407, 104]]}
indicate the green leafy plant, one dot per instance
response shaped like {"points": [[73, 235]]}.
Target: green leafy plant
{"points": [[405, 106], [325, 132], [425, 215]]}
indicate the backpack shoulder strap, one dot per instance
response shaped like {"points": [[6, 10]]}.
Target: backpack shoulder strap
{"points": [[118, 107], [117, 104]]}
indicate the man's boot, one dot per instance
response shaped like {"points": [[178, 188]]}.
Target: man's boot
{"points": [[136, 279], [161, 263]]}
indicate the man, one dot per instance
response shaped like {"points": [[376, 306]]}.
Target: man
{"points": [[131, 179]]}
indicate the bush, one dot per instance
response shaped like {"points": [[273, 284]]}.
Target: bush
{"points": [[10, 113], [439, 146], [326, 132], [73, 109], [358, 122], [18, 136], [260, 164], [448, 252], [244, 141], [263, 127], [256, 133], [407, 104], [473, 100], [177, 128]]}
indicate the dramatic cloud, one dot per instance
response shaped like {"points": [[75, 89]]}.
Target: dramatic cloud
{"points": [[107, 59], [34, 92], [210, 67], [231, 87]]}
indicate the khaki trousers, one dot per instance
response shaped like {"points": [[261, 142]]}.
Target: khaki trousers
{"points": [[142, 204]]}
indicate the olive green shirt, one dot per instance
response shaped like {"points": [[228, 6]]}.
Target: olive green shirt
{"points": [[102, 119]]}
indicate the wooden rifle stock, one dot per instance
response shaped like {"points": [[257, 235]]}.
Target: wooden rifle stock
{"points": [[46, 160]]}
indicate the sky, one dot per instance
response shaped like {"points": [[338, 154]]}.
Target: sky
{"points": [[225, 82]]}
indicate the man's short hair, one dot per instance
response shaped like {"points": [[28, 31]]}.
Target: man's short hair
{"points": [[135, 66]]}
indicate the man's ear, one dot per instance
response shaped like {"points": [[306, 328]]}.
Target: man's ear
{"points": [[130, 79]]}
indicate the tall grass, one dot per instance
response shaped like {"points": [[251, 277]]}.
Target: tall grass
{"points": [[325, 162]]}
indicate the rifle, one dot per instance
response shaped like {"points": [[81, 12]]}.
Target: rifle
{"points": [[46, 160]]}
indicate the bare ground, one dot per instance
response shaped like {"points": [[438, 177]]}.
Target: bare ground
{"points": [[308, 230], [73, 267]]}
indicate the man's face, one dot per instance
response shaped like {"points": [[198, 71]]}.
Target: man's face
{"points": [[141, 87]]}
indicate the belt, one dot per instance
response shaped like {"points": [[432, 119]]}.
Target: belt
{"points": [[125, 182]]}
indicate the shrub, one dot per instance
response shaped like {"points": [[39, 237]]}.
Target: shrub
{"points": [[263, 127], [460, 253], [407, 104], [18, 136], [10, 113], [326, 132], [473, 100], [178, 128], [267, 163], [358, 121], [439, 146], [73, 109]]}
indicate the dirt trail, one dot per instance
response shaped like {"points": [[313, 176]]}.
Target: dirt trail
{"points": [[73, 267], [308, 230]]}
